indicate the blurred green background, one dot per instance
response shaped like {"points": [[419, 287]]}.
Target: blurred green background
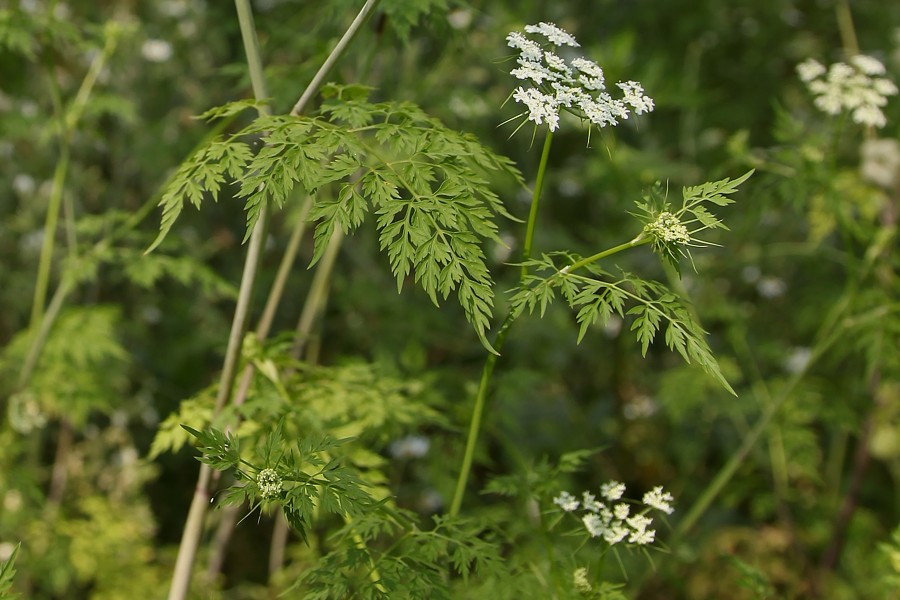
{"points": [[137, 338]]}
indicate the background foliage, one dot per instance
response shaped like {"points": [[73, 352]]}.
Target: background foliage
{"points": [[800, 303]]}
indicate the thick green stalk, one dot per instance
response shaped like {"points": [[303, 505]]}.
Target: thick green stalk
{"points": [[190, 540]]}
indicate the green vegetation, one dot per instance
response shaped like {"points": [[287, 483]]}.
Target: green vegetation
{"points": [[449, 300]]}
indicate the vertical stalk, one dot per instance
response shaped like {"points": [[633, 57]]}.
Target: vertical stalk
{"points": [[50, 224], [490, 362], [845, 26], [535, 202], [190, 539], [193, 527]]}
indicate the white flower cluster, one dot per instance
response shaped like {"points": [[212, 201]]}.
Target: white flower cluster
{"points": [[668, 228], [858, 87], [613, 520], [578, 86], [269, 483]]}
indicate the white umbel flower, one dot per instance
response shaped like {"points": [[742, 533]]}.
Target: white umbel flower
{"points": [[578, 85], [859, 88], [269, 483]]}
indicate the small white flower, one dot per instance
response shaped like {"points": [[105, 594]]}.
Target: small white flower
{"points": [[615, 533], [534, 72], [868, 64], [554, 34], [810, 69], [771, 287], [23, 184], [593, 524], [269, 483], [566, 501], [869, 114], [531, 51], [541, 107], [588, 67], [612, 490], [621, 511], [668, 228], [555, 62], [589, 502], [639, 522], [660, 500], [884, 87], [643, 537]]}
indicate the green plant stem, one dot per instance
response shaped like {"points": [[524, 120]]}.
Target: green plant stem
{"points": [[491, 361], [67, 124], [489, 364], [190, 540], [245, 16], [43, 273], [475, 422], [638, 240], [332, 59], [535, 203], [846, 28]]}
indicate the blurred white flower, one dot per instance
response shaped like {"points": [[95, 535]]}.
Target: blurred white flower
{"points": [[459, 18], [856, 87], [612, 490], [881, 162], [411, 446], [589, 502], [659, 499], [566, 501], [771, 287], [23, 184], [798, 359], [156, 50]]}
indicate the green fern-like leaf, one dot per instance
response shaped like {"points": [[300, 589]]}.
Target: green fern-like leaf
{"points": [[426, 185]]}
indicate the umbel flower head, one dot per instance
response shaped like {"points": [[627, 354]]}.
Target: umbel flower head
{"points": [[859, 88], [613, 520], [269, 483], [552, 84]]}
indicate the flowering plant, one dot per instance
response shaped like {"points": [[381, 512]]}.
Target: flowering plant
{"points": [[578, 86], [860, 87]]}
